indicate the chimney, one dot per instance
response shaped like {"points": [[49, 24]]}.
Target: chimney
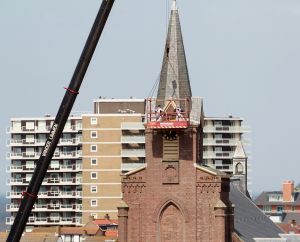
{"points": [[287, 190], [107, 216]]}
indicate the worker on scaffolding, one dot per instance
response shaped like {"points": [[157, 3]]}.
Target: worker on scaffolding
{"points": [[159, 113], [178, 112]]}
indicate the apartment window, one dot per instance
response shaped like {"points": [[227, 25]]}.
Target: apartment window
{"points": [[93, 148], [94, 121], [93, 175], [93, 189], [94, 203], [94, 161], [93, 134], [218, 123], [279, 209], [267, 208]]}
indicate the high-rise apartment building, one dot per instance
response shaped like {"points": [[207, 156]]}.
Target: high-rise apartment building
{"points": [[60, 198], [221, 136]]}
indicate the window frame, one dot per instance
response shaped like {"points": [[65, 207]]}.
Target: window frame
{"points": [[91, 148], [94, 159], [96, 202], [94, 121], [94, 173], [95, 189], [94, 132]]}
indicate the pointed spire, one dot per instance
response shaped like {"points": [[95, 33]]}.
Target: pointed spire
{"points": [[174, 5], [239, 151], [174, 78]]}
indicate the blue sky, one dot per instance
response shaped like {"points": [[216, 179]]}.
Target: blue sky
{"points": [[243, 58]]}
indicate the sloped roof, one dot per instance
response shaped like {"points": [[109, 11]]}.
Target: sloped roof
{"points": [[263, 199], [249, 221], [211, 171], [106, 221], [288, 217], [38, 237]]}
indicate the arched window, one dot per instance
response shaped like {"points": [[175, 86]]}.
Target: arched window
{"points": [[239, 169]]}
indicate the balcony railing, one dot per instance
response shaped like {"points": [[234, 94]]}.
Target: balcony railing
{"points": [[133, 152], [49, 220], [131, 166], [220, 142], [41, 142], [36, 155], [225, 129], [222, 167], [60, 168], [133, 139], [218, 154], [42, 129], [132, 126], [49, 194], [46, 181]]}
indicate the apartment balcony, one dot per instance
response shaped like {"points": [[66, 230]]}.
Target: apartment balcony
{"points": [[131, 166], [220, 142], [48, 194], [68, 155], [23, 155], [139, 139], [49, 221], [225, 129], [46, 181], [36, 155], [218, 154], [72, 141], [73, 128], [61, 168], [132, 126], [223, 167], [62, 181], [41, 142], [24, 129], [133, 153], [44, 129]]}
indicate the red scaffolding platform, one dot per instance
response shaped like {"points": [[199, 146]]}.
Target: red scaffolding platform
{"points": [[167, 114]]}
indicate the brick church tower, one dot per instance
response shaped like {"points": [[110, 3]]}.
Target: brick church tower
{"points": [[173, 198]]}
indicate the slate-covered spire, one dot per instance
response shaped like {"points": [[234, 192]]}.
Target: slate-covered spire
{"points": [[174, 78]]}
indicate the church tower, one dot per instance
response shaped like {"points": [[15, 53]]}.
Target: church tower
{"points": [[173, 198]]}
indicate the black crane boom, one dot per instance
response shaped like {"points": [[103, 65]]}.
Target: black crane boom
{"points": [[65, 108]]}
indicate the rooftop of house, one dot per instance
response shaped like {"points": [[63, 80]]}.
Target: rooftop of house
{"points": [[249, 221], [265, 198]]}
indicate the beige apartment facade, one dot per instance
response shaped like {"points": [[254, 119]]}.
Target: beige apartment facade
{"points": [[112, 142]]}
